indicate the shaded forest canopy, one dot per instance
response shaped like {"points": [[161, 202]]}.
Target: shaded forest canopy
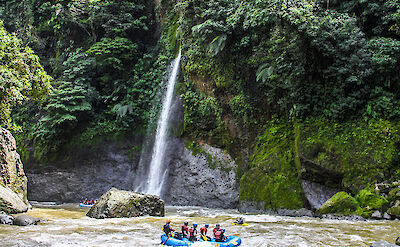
{"points": [[246, 64]]}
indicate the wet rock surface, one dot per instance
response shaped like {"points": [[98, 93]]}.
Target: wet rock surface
{"points": [[120, 204], [204, 179], [10, 202], [303, 212], [383, 244], [88, 173], [25, 220], [317, 194]]}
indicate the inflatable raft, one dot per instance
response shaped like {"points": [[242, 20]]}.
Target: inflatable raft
{"points": [[82, 205], [231, 241]]}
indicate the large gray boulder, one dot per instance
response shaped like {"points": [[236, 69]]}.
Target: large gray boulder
{"points": [[11, 169], [120, 204], [206, 178], [25, 220], [10, 202]]}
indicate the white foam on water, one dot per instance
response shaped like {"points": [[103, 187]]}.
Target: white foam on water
{"points": [[201, 244]]}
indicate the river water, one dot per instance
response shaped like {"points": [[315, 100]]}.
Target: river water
{"points": [[67, 225]]}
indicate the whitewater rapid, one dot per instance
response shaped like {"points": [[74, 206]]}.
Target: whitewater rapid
{"points": [[67, 225]]}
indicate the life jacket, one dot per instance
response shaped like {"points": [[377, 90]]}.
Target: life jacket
{"points": [[185, 230], [192, 232], [167, 229], [218, 234], [203, 230]]}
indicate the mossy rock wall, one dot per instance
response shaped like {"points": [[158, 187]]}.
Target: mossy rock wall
{"points": [[273, 178], [365, 152]]}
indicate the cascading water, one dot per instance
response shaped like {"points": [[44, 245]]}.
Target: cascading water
{"points": [[157, 171]]}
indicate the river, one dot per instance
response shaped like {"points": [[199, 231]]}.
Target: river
{"points": [[67, 225]]}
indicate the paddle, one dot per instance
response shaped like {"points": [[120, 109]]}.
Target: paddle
{"points": [[166, 240], [204, 238]]}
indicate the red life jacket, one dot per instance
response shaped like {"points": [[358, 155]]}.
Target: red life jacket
{"points": [[218, 234], [203, 230]]}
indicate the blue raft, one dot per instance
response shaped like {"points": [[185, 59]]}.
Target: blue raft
{"points": [[231, 241], [82, 205]]}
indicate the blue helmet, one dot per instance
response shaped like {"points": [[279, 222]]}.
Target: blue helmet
{"points": [[207, 225], [194, 225]]}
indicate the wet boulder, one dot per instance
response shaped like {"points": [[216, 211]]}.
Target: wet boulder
{"points": [[341, 203], [10, 202], [394, 211], [25, 220], [383, 244], [120, 204], [6, 219]]}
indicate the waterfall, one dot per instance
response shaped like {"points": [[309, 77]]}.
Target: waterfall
{"points": [[157, 172]]}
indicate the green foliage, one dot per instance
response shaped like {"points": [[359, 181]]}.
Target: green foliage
{"points": [[21, 75], [377, 18], [384, 101], [203, 119], [370, 202], [105, 57], [217, 45], [68, 104]]}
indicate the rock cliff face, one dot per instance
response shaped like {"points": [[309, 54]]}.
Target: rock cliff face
{"points": [[12, 176], [87, 173], [206, 179]]}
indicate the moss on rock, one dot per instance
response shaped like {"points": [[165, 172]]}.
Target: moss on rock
{"points": [[365, 152], [394, 211], [341, 203], [274, 177]]}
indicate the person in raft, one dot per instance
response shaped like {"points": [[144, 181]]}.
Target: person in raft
{"points": [[203, 233], [167, 229], [219, 233], [185, 229], [239, 221], [193, 233]]}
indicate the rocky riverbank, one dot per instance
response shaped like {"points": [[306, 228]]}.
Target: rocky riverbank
{"points": [[13, 182]]}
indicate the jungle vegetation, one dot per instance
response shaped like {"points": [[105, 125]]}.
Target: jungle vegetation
{"points": [[267, 80]]}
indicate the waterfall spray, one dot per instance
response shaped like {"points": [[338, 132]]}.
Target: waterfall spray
{"points": [[157, 172]]}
